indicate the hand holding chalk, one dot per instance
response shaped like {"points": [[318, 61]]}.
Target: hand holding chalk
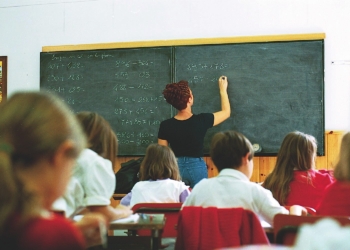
{"points": [[223, 83]]}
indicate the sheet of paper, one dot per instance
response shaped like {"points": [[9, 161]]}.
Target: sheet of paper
{"points": [[78, 217], [264, 224], [130, 218]]}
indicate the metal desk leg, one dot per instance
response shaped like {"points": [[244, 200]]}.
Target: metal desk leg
{"points": [[156, 238]]}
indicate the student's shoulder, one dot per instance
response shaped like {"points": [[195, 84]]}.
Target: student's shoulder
{"points": [[88, 153], [337, 186], [53, 231], [90, 157], [323, 175], [202, 185], [142, 185], [178, 184], [324, 172], [258, 189]]}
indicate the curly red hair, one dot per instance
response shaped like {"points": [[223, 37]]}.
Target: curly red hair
{"points": [[177, 94]]}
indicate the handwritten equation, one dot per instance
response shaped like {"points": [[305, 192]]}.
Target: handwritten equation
{"points": [[141, 138], [123, 85]]}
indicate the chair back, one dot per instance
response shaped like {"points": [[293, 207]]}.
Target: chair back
{"points": [[170, 211], [286, 226], [212, 228]]}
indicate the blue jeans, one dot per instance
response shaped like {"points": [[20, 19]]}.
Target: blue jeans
{"points": [[192, 170]]}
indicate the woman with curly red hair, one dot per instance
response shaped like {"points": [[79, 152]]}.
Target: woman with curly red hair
{"points": [[185, 131]]}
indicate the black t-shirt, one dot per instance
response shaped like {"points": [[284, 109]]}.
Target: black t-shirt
{"points": [[186, 137]]}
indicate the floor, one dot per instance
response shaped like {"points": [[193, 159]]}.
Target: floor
{"points": [[167, 243]]}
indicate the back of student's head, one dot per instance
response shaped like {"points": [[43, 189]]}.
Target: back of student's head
{"points": [[33, 125], [159, 163], [101, 137], [342, 169], [177, 94], [227, 149], [297, 152]]}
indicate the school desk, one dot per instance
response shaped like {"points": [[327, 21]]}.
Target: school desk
{"points": [[153, 222]]}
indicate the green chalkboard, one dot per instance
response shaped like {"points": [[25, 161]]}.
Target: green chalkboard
{"points": [[124, 86], [274, 88]]}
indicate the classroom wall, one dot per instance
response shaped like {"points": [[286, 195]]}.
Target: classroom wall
{"points": [[28, 25]]}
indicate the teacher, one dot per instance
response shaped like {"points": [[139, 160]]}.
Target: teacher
{"points": [[185, 131]]}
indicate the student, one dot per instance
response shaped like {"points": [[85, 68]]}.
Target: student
{"points": [[336, 199], [160, 179], [101, 137], [294, 180], [232, 154], [40, 140], [185, 132], [93, 181]]}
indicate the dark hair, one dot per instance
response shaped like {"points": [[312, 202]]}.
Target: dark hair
{"points": [[101, 137], [297, 152], [227, 149], [159, 163], [177, 94]]}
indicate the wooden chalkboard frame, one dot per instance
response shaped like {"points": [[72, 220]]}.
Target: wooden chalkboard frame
{"points": [[197, 41], [187, 42], [3, 79]]}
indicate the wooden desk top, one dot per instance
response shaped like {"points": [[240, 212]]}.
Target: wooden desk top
{"points": [[145, 221]]}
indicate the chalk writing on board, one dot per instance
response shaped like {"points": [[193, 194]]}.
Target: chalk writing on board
{"points": [[58, 78], [131, 63], [201, 79], [140, 99], [122, 85], [205, 66], [134, 138], [140, 122], [274, 88]]}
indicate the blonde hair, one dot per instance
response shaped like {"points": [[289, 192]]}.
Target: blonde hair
{"points": [[342, 168], [101, 137], [297, 152], [159, 163], [32, 126]]}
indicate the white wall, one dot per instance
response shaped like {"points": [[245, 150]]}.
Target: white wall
{"points": [[28, 25]]}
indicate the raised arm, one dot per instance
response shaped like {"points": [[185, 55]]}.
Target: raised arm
{"points": [[112, 213], [225, 112], [163, 142]]}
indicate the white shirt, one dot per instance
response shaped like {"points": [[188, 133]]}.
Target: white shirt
{"points": [[92, 183], [231, 188], [160, 191]]}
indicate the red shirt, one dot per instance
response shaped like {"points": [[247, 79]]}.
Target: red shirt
{"points": [[336, 200], [308, 191], [54, 233]]}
